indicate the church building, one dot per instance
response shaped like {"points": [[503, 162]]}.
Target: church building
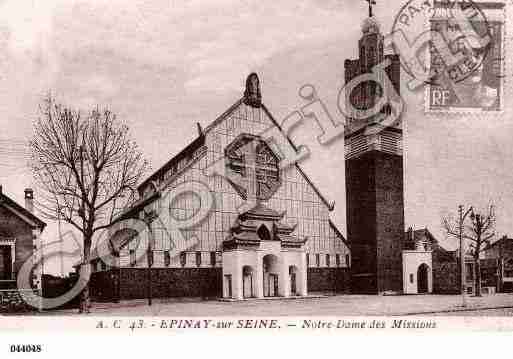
{"points": [[267, 234], [269, 231]]}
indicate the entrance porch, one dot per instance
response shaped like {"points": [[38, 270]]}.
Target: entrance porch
{"points": [[261, 257], [263, 273]]}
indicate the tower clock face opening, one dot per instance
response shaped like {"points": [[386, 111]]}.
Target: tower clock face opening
{"points": [[252, 167]]}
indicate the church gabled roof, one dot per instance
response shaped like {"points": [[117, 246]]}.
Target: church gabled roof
{"points": [[221, 118], [200, 141], [339, 235], [188, 150]]}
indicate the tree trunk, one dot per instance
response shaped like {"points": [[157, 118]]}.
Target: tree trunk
{"points": [[85, 303], [85, 274], [499, 274], [477, 277]]}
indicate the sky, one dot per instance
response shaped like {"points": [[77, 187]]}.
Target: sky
{"points": [[163, 66]]}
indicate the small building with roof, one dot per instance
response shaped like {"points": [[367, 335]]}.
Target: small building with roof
{"points": [[20, 231]]}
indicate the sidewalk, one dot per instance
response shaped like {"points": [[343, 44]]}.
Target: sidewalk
{"points": [[342, 305]]}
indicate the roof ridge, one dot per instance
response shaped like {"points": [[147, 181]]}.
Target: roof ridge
{"points": [[330, 205], [223, 115], [21, 209]]}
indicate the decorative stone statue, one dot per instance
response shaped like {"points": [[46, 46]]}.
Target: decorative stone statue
{"points": [[252, 95]]}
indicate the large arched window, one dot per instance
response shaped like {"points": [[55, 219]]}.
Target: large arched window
{"points": [[263, 233]]}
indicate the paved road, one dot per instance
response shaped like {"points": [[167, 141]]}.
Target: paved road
{"points": [[343, 305], [502, 312]]}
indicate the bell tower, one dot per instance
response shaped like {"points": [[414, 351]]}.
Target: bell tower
{"points": [[374, 173]]}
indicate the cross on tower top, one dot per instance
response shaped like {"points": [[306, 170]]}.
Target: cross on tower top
{"points": [[371, 2]]}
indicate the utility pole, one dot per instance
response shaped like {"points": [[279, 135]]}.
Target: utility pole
{"points": [[148, 219], [500, 266], [462, 254], [371, 2]]}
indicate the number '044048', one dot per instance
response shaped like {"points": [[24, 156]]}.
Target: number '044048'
{"points": [[29, 348]]}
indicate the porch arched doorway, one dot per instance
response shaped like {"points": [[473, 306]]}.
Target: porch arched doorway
{"points": [[293, 280], [270, 272], [248, 290], [423, 279]]}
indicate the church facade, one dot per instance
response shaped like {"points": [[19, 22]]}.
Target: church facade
{"points": [[268, 232]]}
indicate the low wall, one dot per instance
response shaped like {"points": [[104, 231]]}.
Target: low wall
{"points": [[446, 277], [329, 280], [104, 286], [54, 287], [12, 302], [132, 283], [167, 282]]}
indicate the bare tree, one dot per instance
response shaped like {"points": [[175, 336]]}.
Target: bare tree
{"points": [[87, 169], [478, 232]]}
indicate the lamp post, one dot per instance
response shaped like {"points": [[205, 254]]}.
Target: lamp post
{"points": [[148, 219], [462, 255]]}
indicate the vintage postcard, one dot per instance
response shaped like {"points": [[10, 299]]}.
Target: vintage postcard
{"points": [[291, 167]]}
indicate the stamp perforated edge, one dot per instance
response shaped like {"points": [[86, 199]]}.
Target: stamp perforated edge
{"points": [[469, 110]]}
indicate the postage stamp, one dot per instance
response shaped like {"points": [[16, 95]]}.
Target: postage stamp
{"points": [[473, 79]]}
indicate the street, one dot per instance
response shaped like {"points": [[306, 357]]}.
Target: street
{"points": [[341, 305]]}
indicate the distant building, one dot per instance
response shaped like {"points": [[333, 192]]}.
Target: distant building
{"points": [[418, 261], [20, 232], [429, 268], [502, 252]]}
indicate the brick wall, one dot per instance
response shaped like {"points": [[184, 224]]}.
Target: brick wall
{"points": [[194, 282], [104, 286], [169, 282], [446, 278], [332, 280], [446, 272], [54, 287]]}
